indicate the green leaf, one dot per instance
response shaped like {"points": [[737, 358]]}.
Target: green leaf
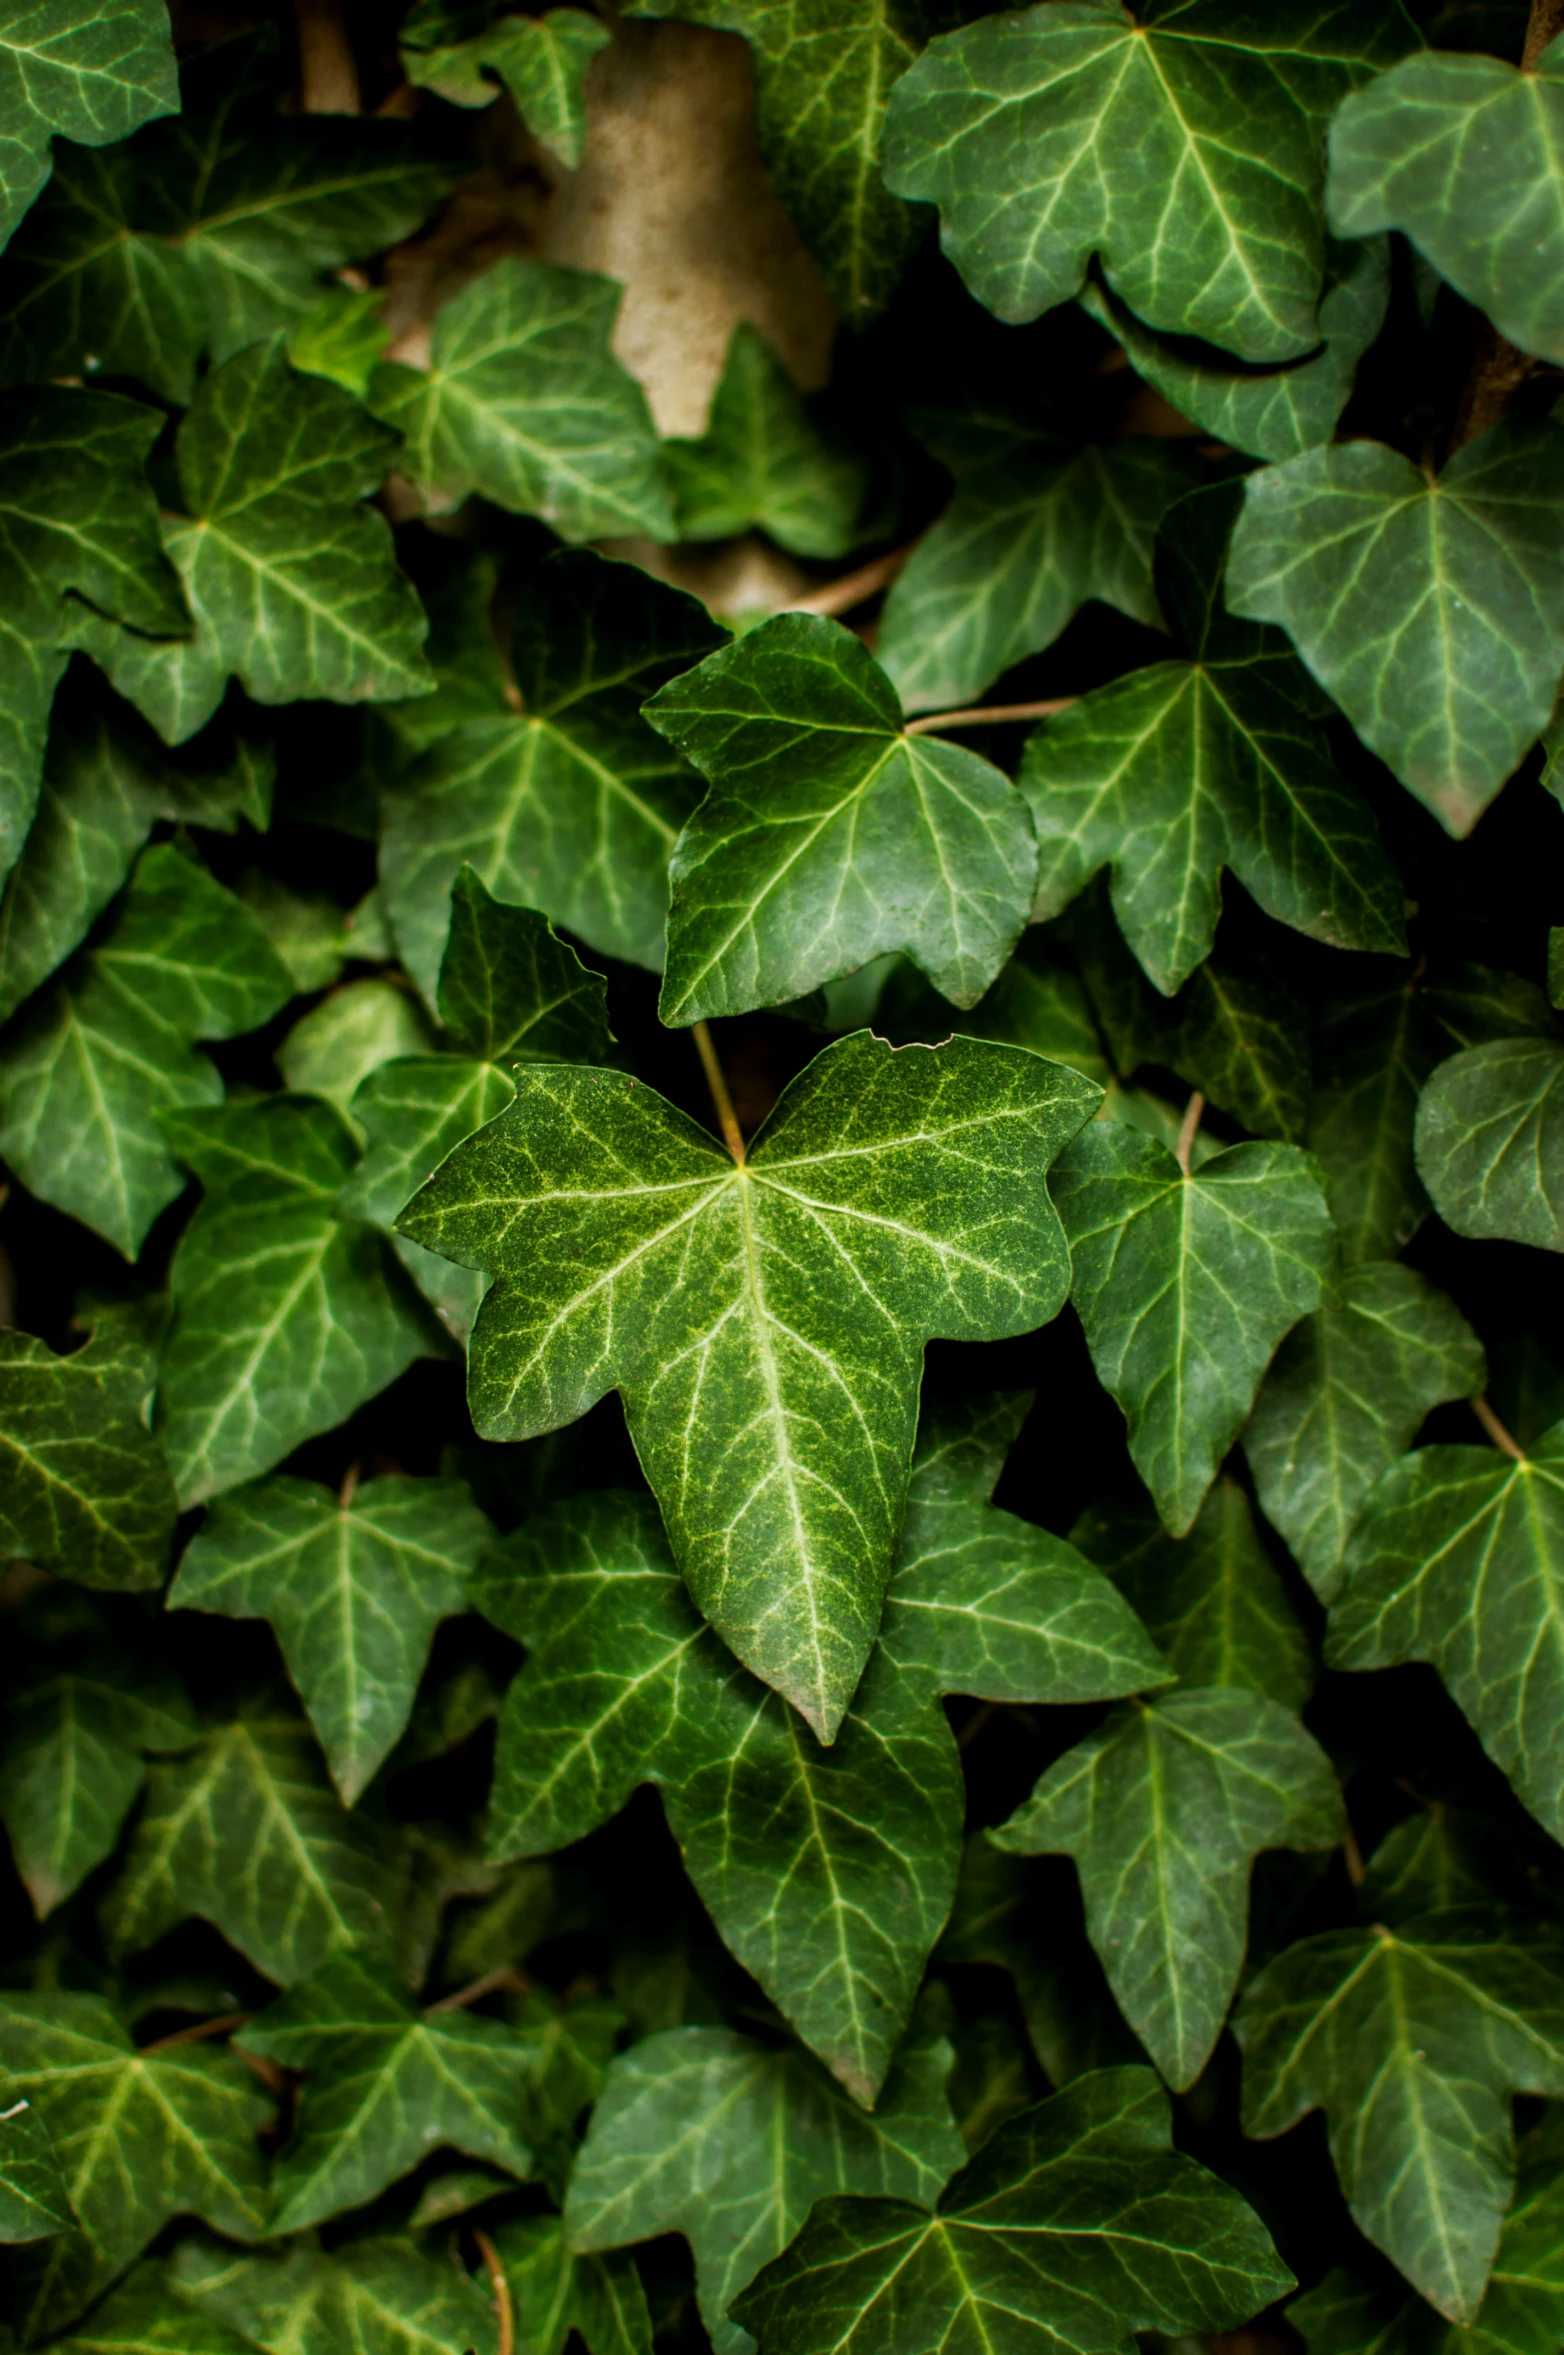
{"points": [[1271, 413], [828, 1872], [140, 2138], [86, 1071], [1177, 771], [1033, 531], [525, 402], [571, 805], [891, 1196], [1077, 2225], [34, 2202], [1375, 1046], [1463, 155], [1185, 1284], [556, 2292], [343, 338], [247, 1832], [84, 1489], [89, 71], [1412, 2041], [378, 2297], [1036, 1003], [1431, 610], [1345, 1396], [1180, 147], [384, 2084], [703, 2132], [1489, 1142], [351, 1033], [542, 61], [354, 1588], [1164, 1809], [764, 464], [292, 580], [286, 1318], [146, 2316], [1457, 1560], [77, 518], [830, 836]]}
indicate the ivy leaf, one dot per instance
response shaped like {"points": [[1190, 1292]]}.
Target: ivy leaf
{"points": [[86, 1492], [1412, 2040], [1271, 413], [1037, 1003], [542, 61], [1489, 1141], [145, 2316], [1184, 768], [701, 2131], [572, 804], [1345, 1396], [1433, 612], [286, 1318], [380, 2296], [1182, 151], [85, 1072], [34, 2202], [1462, 155], [830, 836], [1457, 1561], [891, 1196], [354, 1587], [763, 463], [1185, 1284], [337, 1044], [1076, 2224], [384, 2084], [1375, 1046], [624, 1685], [76, 515], [1033, 531], [140, 2138], [292, 580], [246, 1832], [525, 402], [87, 71], [557, 2291]]}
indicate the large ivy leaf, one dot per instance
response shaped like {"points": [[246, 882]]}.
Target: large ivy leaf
{"points": [[829, 1872], [383, 2085], [1490, 1142], [1462, 154], [764, 463], [1457, 1560], [85, 69], [572, 804], [140, 2138], [291, 578], [830, 836], [379, 2296], [246, 1832], [86, 1070], [1412, 2041], [541, 60], [1181, 147], [1075, 2226], [286, 1317], [77, 515], [1185, 1282], [525, 402], [1033, 531], [85, 1491], [354, 1587], [34, 2202], [891, 1196], [701, 2131], [1431, 610], [1179, 770], [1345, 1396]]}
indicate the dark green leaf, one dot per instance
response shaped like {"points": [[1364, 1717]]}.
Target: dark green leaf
{"points": [[1375, 1047], [556, 2292], [509, 989], [377, 2297], [34, 2202], [1489, 1142], [89, 70], [86, 1492], [542, 62], [763, 463]]}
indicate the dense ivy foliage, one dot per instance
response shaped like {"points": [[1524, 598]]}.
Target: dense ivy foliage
{"points": [[781, 1402]]}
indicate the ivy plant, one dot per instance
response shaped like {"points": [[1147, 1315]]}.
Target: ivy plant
{"points": [[782, 1216]]}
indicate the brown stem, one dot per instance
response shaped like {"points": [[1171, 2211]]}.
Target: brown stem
{"points": [[1352, 1857], [328, 70], [224, 2025], [490, 1984], [854, 587], [1547, 21], [1495, 1429], [727, 1118], [988, 715], [501, 2288], [1190, 1130], [349, 1489]]}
